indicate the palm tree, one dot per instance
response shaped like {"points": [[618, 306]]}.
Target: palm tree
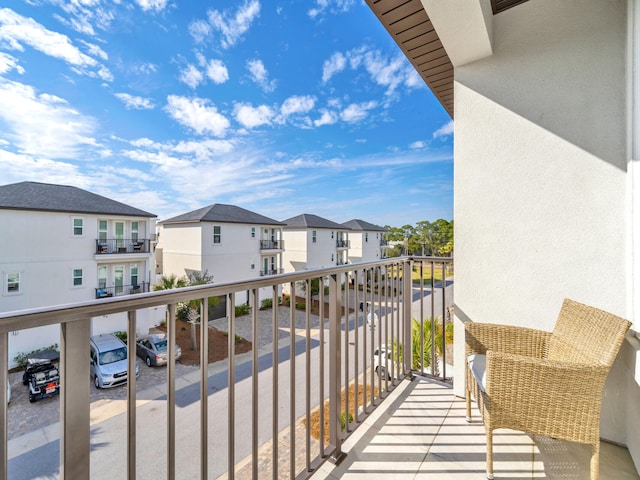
{"points": [[421, 342], [167, 283]]}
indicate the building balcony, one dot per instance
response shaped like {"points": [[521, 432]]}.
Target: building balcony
{"points": [[123, 246], [343, 243], [403, 419], [106, 292], [271, 244], [271, 271]]}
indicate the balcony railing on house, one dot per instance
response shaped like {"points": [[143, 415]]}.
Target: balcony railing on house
{"points": [[337, 347], [271, 271], [271, 244], [106, 292], [122, 245], [343, 243]]}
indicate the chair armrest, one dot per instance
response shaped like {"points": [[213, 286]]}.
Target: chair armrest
{"points": [[481, 337], [546, 397]]}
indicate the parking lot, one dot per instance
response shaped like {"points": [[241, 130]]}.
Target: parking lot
{"points": [[24, 416]]}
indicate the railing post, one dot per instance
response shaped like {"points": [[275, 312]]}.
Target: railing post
{"points": [[171, 392], [131, 395], [4, 379], [407, 299], [335, 314], [74, 400]]}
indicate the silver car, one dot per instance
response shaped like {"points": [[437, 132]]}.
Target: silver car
{"points": [[153, 349], [109, 361]]}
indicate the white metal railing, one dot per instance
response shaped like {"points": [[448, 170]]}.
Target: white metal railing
{"points": [[350, 345]]}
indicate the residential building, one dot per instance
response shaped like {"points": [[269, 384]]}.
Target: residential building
{"points": [[227, 242], [546, 101], [367, 241], [314, 242], [61, 245]]}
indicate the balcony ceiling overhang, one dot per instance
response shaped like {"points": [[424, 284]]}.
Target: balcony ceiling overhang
{"points": [[416, 34]]}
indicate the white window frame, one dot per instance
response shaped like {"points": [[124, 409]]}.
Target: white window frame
{"points": [[218, 235], [253, 264], [314, 236], [74, 226], [17, 291], [134, 268], [366, 236], [135, 231], [103, 233], [75, 277], [253, 232]]}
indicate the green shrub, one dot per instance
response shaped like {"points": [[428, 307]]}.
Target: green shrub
{"points": [[301, 306], [266, 303], [21, 358], [121, 335], [343, 416], [243, 309]]}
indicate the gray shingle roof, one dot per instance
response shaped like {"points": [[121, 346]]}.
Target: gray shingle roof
{"points": [[62, 198], [356, 224], [219, 212], [307, 220]]}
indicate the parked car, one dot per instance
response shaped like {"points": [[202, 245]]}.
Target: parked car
{"points": [[109, 361], [153, 349], [382, 364], [41, 374]]}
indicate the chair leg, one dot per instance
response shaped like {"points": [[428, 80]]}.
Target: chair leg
{"points": [[489, 454], [468, 401], [595, 461]]}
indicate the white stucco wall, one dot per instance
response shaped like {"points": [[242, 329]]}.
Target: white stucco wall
{"points": [[181, 247], [540, 174]]}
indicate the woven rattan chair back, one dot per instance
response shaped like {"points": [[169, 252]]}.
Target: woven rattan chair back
{"points": [[586, 335]]}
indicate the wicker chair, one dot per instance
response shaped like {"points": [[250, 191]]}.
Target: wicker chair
{"points": [[544, 383]]}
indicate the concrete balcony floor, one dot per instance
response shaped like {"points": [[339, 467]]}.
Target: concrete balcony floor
{"points": [[420, 432]]}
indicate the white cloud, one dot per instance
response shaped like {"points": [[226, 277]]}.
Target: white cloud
{"points": [[297, 105], [233, 26], [17, 31], [135, 102], [444, 131], [327, 118], [86, 16], [199, 30], [217, 71], [357, 111], [197, 114], [191, 76], [95, 50], [17, 167], [157, 5], [250, 117], [333, 6], [417, 145], [333, 65], [8, 63], [260, 75], [43, 125]]}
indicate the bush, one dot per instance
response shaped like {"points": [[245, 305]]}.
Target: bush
{"points": [[21, 358], [342, 419], [121, 335], [266, 303], [243, 309]]}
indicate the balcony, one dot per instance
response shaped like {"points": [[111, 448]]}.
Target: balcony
{"points": [[122, 246], [271, 271], [394, 425], [343, 243], [107, 292], [271, 244]]}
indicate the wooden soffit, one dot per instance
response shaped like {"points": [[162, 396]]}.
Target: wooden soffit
{"points": [[408, 24]]}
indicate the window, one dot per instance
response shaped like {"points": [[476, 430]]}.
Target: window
{"points": [[102, 276], [134, 274], [366, 236], [102, 232], [134, 231], [77, 277], [253, 232], [332, 258], [13, 284], [253, 264], [313, 236], [217, 236], [78, 226], [331, 235]]}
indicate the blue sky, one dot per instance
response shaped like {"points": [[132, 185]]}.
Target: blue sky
{"points": [[280, 107]]}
